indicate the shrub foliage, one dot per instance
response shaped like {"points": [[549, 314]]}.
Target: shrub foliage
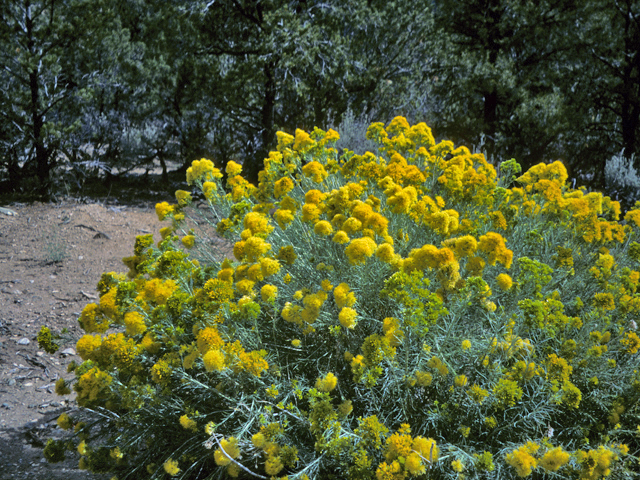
{"points": [[406, 313]]}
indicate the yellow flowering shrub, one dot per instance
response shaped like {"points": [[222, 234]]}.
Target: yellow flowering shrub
{"points": [[409, 312]]}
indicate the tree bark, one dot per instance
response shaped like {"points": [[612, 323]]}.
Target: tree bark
{"points": [[267, 123], [490, 121], [43, 168]]}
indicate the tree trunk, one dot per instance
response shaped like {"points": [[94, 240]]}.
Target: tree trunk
{"points": [[42, 155], [41, 152], [267, 124], [631, 95], [490, 120]]}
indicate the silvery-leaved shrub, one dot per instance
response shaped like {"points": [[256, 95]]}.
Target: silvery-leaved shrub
{"points": [[622, 179], [405, 313]]}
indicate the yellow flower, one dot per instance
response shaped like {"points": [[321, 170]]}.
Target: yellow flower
{"points": [[424, 378], [228, 448], [498, 220], [257, 222], [296, 343], [245, 287], [158, 291], [255, 248], [631, 343], [272, 391], [347, 317], [208, 338], [466, 344], [461, 380], [351, 225], [259, 440], [209, 189], [633, 216], [269, 266], [554, 459], [571, 395], [284, 140], [522, 460], [507, 392], [282, 187], [92, 386], [330, 136], [493, 244], [323, 228], [398, 125], [385, 252], [457, 466], [558, 369], [214, 360], [273, 466], [188, 241], [392, 331], [477, 393], [92, 320], [171, 467], [437, 364], [310, 212], [413, 464], [402, 201], [233, 169], [164, 233], [149, 344], [188, 423], [595, 463], [190, 358], [314, 196], [343, 296], [327, 383], [389, 472], [555, 171], [340, 237], [315, 170], [287, 254], [64, 422], [504, 281], [426, 448], [88, 345], [163, 209], [359, 249], [345, 408], [269, 292], [183, 197], [284, 217], [135, 323], [604, 301], [302, 140], [202, 170]]}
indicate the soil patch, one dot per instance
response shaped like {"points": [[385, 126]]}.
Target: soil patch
{"points": [[51, 258]]}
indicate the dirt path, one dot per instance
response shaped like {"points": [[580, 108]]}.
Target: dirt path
{"points": [[51, 258]]}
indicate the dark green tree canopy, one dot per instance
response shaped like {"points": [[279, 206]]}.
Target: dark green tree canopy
{"points": [[104, 87]]}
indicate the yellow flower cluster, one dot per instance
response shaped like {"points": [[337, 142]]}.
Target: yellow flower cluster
{"points": [[202, 171], [368, 295], [406, 455]]}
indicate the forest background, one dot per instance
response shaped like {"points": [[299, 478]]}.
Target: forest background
{"points": [[96, 89]]}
